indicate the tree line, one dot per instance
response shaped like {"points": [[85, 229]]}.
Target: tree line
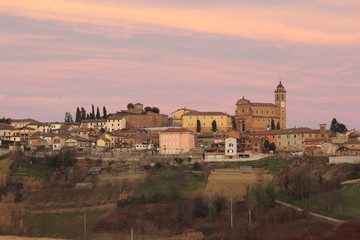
{"points": [[81, 114]]}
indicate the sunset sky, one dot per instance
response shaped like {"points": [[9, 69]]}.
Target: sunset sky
{"points": [[56, 55]]}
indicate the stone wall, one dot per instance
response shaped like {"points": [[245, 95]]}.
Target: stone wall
{"points": [[345, 159], [145, 120]]}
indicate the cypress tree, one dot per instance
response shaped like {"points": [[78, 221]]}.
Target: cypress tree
{"points": [[272, 124], [213, 126], [198, 126], [83, 113], [104, 112], [98, 113], [92, 115], [278, 125], [78, 115]]}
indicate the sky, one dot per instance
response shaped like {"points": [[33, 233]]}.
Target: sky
{"points": [[56, 55]]}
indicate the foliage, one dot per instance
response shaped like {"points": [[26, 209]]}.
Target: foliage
{"points": [[266, 145], [92, 114], [78, 115], [105, 116], [12, 217], [83, 113], [233, 123], [272, 124], [272, 147], [278, 125], [196, 166], [198, 126], [130, 106], [98, 116], [337, 127], [214, 126], [155, 110], [5, 120], [148, 109], [68, 117]]}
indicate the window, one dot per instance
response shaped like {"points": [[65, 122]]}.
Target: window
{"points": [[294, 135], [231, 145], [279, 136], [257, 111], [288, 143], [204, 117]]}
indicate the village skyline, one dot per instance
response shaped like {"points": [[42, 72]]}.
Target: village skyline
{"points": [[57, 55]]}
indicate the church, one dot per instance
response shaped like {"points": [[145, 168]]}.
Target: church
{"points": [[250, 116]]}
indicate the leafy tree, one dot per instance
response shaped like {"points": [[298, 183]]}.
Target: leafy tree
{"points": [[272, 147], [92, 115], [78, 115], [5, 120], [212, 211], [155, 110], [88, 116], [98, 113], [278, 125], [213, 126], [198, 126], [250, 201], [68, 117], [272, 124], [148, 109], [266, 144], [83, 113], [337, 126], [105, 116], [130, 106]]}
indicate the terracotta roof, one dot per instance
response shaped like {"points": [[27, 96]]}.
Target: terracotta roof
{"points": [[24, 120], [93, 120], [263, 104], [191, 110], [114, 117], [5, 126], [81, 130], [176, 130], [77, 138], [196, 113]]}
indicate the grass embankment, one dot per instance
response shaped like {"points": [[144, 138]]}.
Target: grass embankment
{"points": [[171, 182], [64, 225], [270, 164]]}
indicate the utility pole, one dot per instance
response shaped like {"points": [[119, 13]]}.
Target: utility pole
{"points": [[84, 223], [231, 213]]}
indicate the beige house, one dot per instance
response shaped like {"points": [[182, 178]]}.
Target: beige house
{"points": [[177, 116], [94, 123], [78, 142], [294, 139], [81, 132], [20, 123], [22, 134], [115, 122], [5, 132]]}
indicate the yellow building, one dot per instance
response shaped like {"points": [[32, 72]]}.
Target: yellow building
{"points": [[294, 139], [250, 116], [177, 116], [19, 123], [222, 120]]}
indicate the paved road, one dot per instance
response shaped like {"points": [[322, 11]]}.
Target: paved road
{"points": [[310, 213]]}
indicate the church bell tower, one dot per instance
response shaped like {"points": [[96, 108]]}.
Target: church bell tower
{"points": [[280, 102]]}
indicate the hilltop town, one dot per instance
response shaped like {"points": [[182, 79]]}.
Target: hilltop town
{"points": [[255, 130], [195, 175]]}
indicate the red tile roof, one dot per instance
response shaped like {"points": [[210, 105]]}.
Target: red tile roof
{"points": [[176, 130]]}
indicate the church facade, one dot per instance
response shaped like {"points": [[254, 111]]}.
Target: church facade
{"points": [[250, 116]]}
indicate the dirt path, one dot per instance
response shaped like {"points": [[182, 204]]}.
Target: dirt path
{"points": [[351, 181], [26, 238], [77, 209], [310, 213]]}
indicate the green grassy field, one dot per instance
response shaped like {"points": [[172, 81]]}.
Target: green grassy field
{"points": [[349, 203], [63, 225], [271, 164], [172, 182]]}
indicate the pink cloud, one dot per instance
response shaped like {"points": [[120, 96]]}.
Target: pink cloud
{"points": [[270, 23]]}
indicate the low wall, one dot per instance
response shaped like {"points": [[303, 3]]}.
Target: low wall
{"points": [[344, 159], [252, 158]]}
